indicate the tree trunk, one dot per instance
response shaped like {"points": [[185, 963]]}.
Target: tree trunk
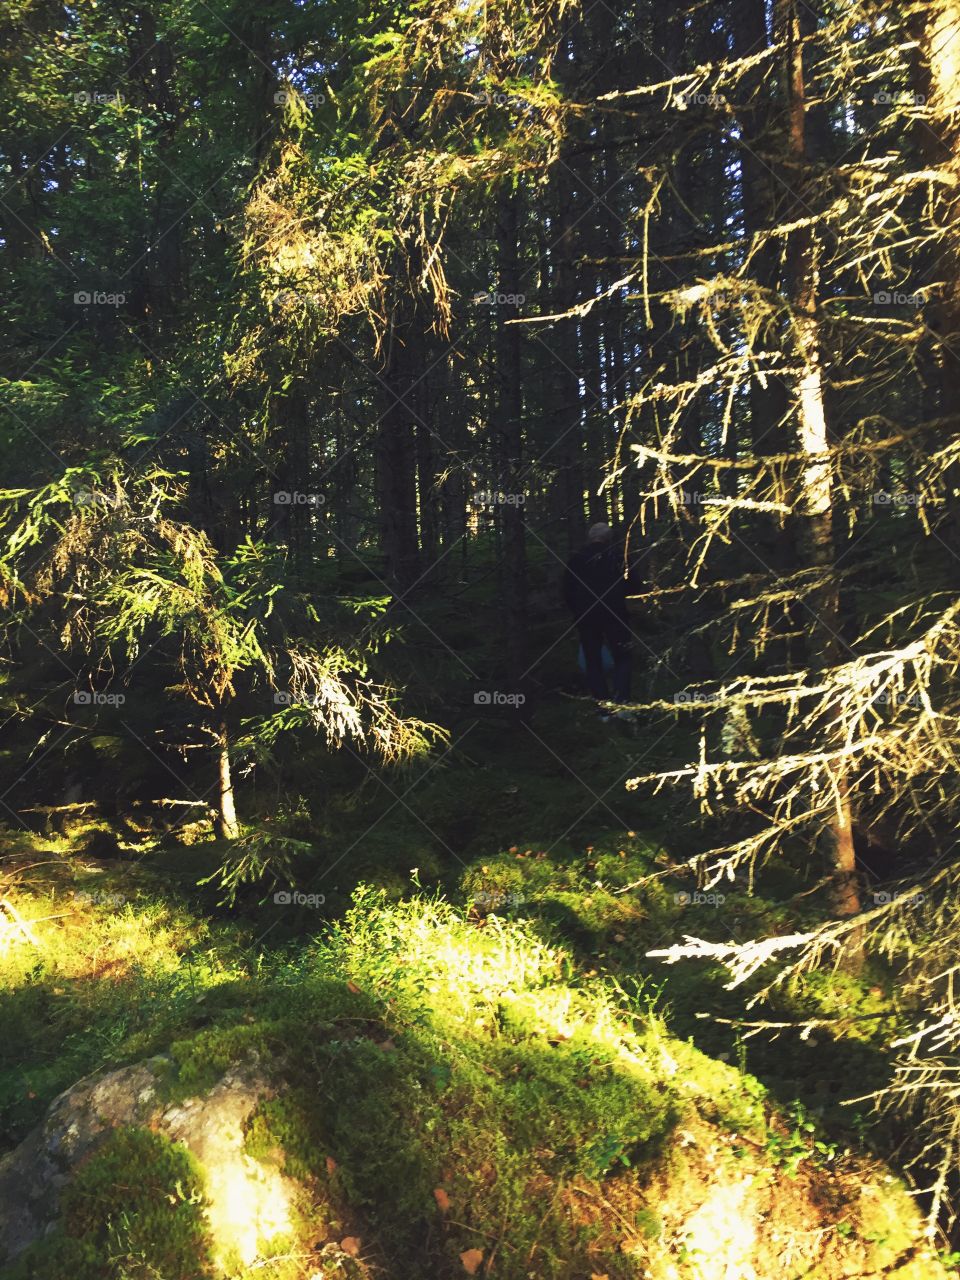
{"points": [[816, 496], [396, 435], [510, 434], [227, 826]]}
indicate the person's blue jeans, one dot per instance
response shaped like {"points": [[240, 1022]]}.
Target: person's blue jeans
{"points": [[596, 628]]}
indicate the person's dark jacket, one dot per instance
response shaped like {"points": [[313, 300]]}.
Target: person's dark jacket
{"points": [[594, 580]]}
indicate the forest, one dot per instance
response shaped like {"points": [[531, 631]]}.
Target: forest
{"points": [[479, 639]]}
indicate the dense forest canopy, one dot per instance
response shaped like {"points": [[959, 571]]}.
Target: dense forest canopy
{"points": [[342, 341]]}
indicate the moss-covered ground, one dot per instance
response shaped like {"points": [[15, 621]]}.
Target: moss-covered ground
{"points": [[476, 1053]]}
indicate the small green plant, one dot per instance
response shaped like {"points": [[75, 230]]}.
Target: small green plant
{"points": [[798, 1144]]}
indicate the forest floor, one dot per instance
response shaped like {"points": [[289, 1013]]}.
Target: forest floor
{"points": [[475, 1065]]}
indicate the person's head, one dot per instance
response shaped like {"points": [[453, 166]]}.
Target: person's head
{"points": [[599, 535]]}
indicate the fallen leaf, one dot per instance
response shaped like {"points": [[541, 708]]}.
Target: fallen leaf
{"points": [[331, 1166], [442, 1199], [353, 988], [471, 1259], [350, 1245]]}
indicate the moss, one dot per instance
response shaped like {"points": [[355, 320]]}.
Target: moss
{"points": [[134, 1208], [731, 1098], [58, 1257], [887, 1222]]}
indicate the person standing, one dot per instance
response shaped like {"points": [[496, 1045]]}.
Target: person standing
{"points": [[595, 591]]}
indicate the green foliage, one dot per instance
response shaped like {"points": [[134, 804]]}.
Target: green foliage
{"points": [[799, 1143], [259, 858]]}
